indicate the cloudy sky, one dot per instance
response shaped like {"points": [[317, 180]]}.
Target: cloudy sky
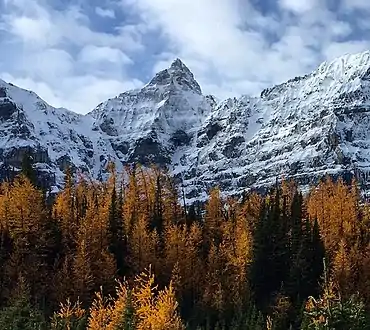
{"points": [[77, 53]]}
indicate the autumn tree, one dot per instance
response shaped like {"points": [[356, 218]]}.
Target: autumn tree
{"points": [[213, 218], [22, 213], [142, 246], [155, 310], [64, 212], [337, 208], [83, 282]]}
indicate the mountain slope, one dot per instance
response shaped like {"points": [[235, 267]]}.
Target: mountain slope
{"points": [[55, 137], [149, 124], [303, 128]]}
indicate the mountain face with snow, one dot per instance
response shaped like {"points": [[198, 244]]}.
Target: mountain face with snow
{"points": [[149, 125], [304, 128], [56, 138]]}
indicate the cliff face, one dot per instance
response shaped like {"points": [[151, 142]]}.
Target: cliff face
{"points": [[55, 137], [304, 128]]}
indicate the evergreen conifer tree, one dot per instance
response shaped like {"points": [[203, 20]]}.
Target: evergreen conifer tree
{"points": [[27, 168], [115, 232]]}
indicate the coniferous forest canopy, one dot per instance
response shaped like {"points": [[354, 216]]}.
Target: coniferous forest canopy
{"points": [[128, 254]]}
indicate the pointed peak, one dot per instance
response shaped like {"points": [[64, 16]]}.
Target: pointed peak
{"points": [[179, 67], [178, 64], [177, 74]]}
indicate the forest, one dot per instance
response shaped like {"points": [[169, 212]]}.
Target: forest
{"points": [[129, 254]]}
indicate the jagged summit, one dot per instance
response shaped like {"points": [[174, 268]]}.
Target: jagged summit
{"points": [[304, 128], [177, 64], [148, 124], [348, 66], [177, 75]]}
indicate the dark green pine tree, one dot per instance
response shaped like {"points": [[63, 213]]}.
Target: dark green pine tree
{"points": [[317, 259], [191, 215], [307, 253], [260, 267], [157, 217], [115, 230], [267, 269], [282, 241], [129, 317], [70, 190], [258, 323], [20, 315], [79, 201], [5, 253], [277, 234], [195, 213], [299, 242], [307, 265], [299, 285], [27, 168], [296, 224], [253, 320], [268, 272]]}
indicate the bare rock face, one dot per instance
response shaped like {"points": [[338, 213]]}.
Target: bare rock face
{"points": [[149, 151], [180, 138], [56, 138], [304, 128], [7, 110], [15, 156], [151, 124], [2, 92]]}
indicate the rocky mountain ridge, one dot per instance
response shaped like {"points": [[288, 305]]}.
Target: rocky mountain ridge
{"points": [[305, 128]]}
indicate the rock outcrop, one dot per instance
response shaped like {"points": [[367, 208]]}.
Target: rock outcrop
{"points": [[305, 128]]}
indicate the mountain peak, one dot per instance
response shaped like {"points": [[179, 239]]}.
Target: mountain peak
{"points": [[178, 74], [302, 128], [177, 64], [347, 66]]}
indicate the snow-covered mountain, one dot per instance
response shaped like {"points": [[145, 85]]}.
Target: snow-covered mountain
{"points": [[55, 137], [304, 128]]}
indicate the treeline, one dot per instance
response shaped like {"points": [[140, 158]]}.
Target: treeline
{"points": [[126, 254]]}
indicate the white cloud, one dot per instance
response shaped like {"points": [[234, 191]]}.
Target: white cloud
{"points": [[231, 46], [81, 94], [231, 43], [341, 29], [108, 13], [92, 54], [49, 65], [337, 49], [61, 57], [30, 30], [206, 30], [349, 5], [298, 6]]}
